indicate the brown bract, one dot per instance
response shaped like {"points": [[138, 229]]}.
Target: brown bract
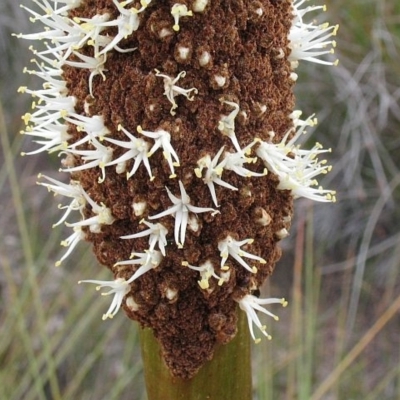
{"points": [[230, 52]]}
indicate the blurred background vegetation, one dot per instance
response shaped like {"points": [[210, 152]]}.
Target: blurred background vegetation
{"points": [[339, 337]]}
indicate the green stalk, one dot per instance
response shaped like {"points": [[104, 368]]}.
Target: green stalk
{"points": [[226, 377]]}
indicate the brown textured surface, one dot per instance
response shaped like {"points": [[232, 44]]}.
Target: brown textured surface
{"points": [[244, 49]]}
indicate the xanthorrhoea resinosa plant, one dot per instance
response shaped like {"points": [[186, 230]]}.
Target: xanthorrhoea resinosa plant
{"points": [[176, 127]]}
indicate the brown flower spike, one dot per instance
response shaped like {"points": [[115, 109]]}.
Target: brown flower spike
{"points": [[177, 125]]}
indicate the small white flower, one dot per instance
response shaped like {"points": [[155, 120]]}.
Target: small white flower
{"points": [[157, 235], [171, 90], [206, 272], [227, 124], [84, 31], [93, 126], [52, 137], [67, 35], [231, 247], [178, 11], [213, 173], [295, 167], [234, 162], [71, 242], [50, 112], [72, 190], [57, 87], [91, 29], [119, 287], [297, 121], [51, 89], [180, 210], [301, 187], [162, 139], [99, 157], [103, 216], [309, 41], [148, 260], [249, 304], [138, 149], [94, 64], [127, 22]]}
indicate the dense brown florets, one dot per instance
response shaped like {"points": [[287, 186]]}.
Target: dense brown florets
{"points": [[229, 53]]}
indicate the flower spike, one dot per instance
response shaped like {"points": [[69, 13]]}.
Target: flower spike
{"points": [[198, 121]]}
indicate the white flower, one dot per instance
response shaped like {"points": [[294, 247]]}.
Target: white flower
{"points": [[71, 242], [157, 235], [180, 210], [49, 75], [249, 304], [178, 11], [51, 89], [52, 137], [234, 162], [162, 139], [94, 64], [127, 22], [138, 150], [206, 272], [99, 157], [72, 190], [148, 260], [213, 173], [171, 90], [119, 287], [231, 247], [91, 29], [227, 124], [295, 167], [93, 126], [66, 35], [50, 112], [103, 216], [309, 41]]}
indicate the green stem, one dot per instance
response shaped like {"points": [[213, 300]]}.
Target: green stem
{"points": [[226, 377]]}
